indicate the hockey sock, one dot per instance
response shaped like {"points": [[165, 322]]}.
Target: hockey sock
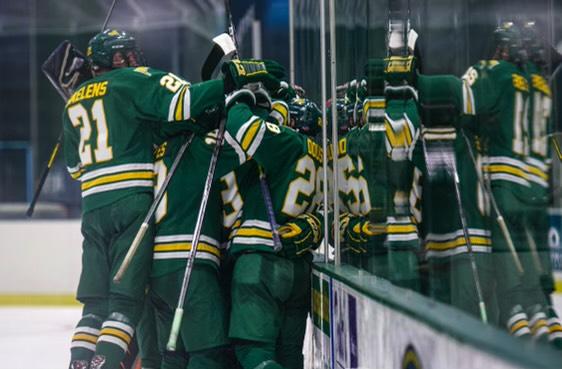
{"points": [[208, 359], [554, 329], [256, 355], [518, 322], [84, 341], [538, 322], [115, 336]]}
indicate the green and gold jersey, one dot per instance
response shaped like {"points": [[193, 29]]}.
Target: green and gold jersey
{"points": [[439, 151], [539, 156], [177, 213], [501, 97], [292, 165], [110, 124]]}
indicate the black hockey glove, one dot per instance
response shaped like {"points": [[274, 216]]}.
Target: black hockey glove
{"points": [[238, 73]]}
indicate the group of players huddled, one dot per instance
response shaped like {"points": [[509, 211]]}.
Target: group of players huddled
{"points": [[445, 180], [427, 164]]}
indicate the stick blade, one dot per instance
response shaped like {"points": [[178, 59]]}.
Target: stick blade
{"points": [[223, 48], [66, 68]]}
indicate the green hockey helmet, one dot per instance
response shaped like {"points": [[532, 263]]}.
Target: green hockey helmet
{"points": [[508, 37], [305, 117], [103, 46]]}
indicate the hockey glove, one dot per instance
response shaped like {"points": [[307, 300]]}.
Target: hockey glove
{"points": [[263, 100], [276, 69], [238, 73], [300, 235], [243, 96], [356, 231], [285, 92]]}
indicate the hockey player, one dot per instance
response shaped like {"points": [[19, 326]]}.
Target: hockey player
{"points": [[501, 92], [305, 117], [363, 181], [270, 288], [440, 156], [402, 127], [109, 123], [538, 162]]}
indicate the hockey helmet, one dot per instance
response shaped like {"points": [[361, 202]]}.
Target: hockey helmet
{"points": [[305, 117], [343, 119], [532, 42], [103, 46], [508, 37]]}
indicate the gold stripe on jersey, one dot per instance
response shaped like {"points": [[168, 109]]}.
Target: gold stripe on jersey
{"points": [[138, 175], [540, 84], [537, 172], [520, 83], [458, 242], [493, 168], [253, 232], [186, 246], [282, 108], [373, 108], [250, 134]]}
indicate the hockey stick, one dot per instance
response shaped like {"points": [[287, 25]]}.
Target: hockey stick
{"points": [[452, 165], [499, 218], [223, 47], [65, 68], [108, 15], [178, 315], [146, 223]]}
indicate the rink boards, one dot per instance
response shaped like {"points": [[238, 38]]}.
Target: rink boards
{"points": [[361, 321]]}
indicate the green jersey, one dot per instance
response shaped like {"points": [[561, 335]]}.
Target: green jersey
{"points": [[538, 158], [433, 199], [177, 213], [109, 125], [501, 92], [292, 165]]}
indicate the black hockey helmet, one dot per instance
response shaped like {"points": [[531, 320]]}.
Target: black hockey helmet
{"points": [[305, 117], [508, 38], [534, 45]]}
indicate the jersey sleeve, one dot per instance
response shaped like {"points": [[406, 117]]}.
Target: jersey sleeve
{"points": [[480, 91], [165, 97], [70, 148], [252, 137], [280, 112]]}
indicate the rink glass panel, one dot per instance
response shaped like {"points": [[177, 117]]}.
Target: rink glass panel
{"points": [[453, 35]]}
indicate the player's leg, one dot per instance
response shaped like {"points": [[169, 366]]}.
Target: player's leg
{"points": [[204, 326], [512, 314], [260, 282], [147, 337], [463, 284], [126, 299], [295, 311], [92, 291], [439, 279]]}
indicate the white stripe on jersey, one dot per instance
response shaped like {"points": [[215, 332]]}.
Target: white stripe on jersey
{"points": [[187, 104], [242, 130], [457, 234], [257, 140], [234, 144], [117, 186], [184, 255], [173, 103], [252, 241], [510, 178], [185, 238]]}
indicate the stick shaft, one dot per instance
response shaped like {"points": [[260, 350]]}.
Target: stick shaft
{"points": [[266, 194], [178, 316], [146, 222], [43, 178], [108, 15]]}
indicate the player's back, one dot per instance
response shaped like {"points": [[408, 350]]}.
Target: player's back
{"points": [[107, 141]]}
